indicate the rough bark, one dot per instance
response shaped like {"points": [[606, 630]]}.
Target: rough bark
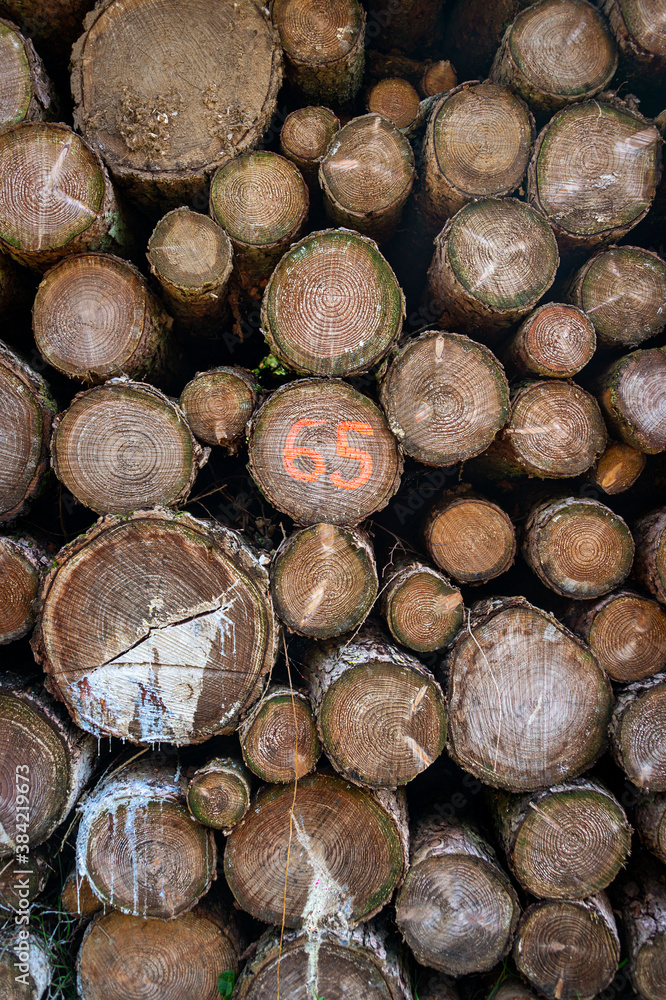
{"points": [[278, 737], [637, 733], [380, 713], [650, 564], [618, 468], [304, 140], [26, 969], [422, 608], [26, 93], [632, 394], [156, 627], [332, 306], [395, 99], [528, 705], [469, 537], [218, 404], [555, 341], [650, 815], [218, 794], [642, 898], [23, 560]]}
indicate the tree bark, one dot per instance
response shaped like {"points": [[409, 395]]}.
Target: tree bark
{"points": [[643, 904], [395, 99], [26, 969], [218, 404], [422, 608], [156, 627], [618, 468], [278, 737], [218, 794], [26, 93], [650, 564], [636, 25], [23, 560], [333, 305], [650, 815], [470, 538], [632, 394], [457, 910], [380, 713], [331, 881], [637, 733], [324, 580], [555, 341], [528, 705], [304, 140], [163, 140]]}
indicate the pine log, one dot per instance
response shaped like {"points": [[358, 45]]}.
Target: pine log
{"points": [[395, 99], [445, 397], [626, 632], [493, 261], [26, 93], [650, 564], [568, 950], [618, 468], [323, 43], [469, 537], [54, 25], [478, 143], [94, 317], [328, 965], [261, 200], [632, 394], [555, 431], [555, 341], [622, 290], [642, 899], [577, 547], [324, 580], [554, 53], [332, 306], [637, 733], [304, 139], [23, 560], [367, 175], [437, 78], [567, 842], [278, 737], [528, 705], [457, 910], [332, 879], [380, 713], [308, 432], [138, 846], [26, 412], [165, 129], [638, 29], [56, 198], [26, 968], [596, 199], [218, 794], [45, 762], [218, 404], [650, 816], [129, 958], [191, 257], [156, 628], [406, 25], [77, 898], [22, 881], [422, 608]]}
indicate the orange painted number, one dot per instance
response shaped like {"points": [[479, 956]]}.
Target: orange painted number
{"points": [[345, 451], [292, 451]]}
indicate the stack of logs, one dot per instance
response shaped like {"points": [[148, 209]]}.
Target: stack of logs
{"points": [[393, 672]]}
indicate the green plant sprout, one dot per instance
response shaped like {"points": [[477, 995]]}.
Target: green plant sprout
{"points": [[226, 983]]}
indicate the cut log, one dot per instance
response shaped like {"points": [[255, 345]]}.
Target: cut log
{"points": [[407, 25], [77, 898], [94, 317], [124, 445], [323, 42], [191, 257], [625, 631], [632, 394], [138, 846], [457, 910], [469, 537], [278, 737], [577, 547], [367, 175], [493, 261], [395, 99], [554, 53], [650, 817], [26, 93], [422, 608], [638, 29], [165, 130], [26, 413], [445, 398], [569, 949], [332, 879], [324, 580], [618, 468], [218, 404], [478, 143], [437, 78], [622, 289], [380, 713], [218, 793], [42, 221], [334, 966], [304, 139], [643, 904], [22, 563], [156, 628], [307, 432], [528, 705], [555, 431], [128, 958], [22, 881], [555, 341], [261, 200], [650, 564], [637, 733], [596, 199], [26, 968], [567, 842], [45, 762], [332, 306]]}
